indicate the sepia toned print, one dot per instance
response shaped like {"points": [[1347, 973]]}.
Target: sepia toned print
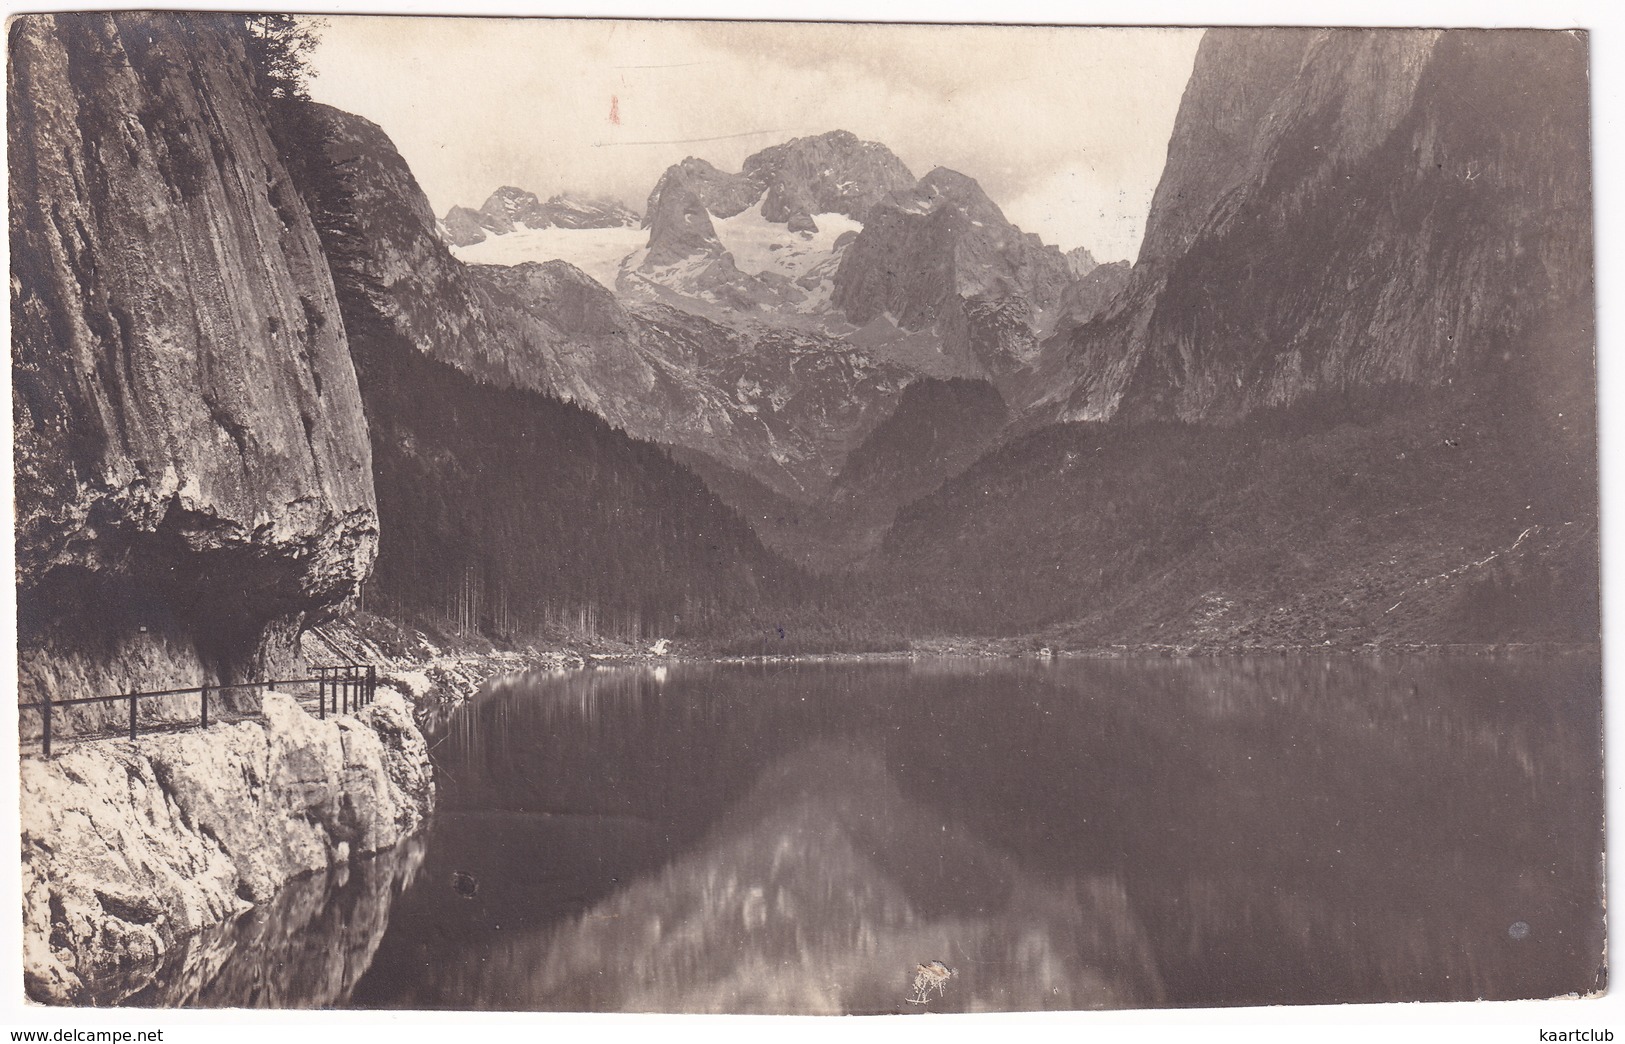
{"points": [[792, 518]]}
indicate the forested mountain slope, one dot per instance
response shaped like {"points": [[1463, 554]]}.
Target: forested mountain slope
{"points": [[1348, 394]]}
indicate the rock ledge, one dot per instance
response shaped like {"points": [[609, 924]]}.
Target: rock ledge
{"points": [[129, 848]]}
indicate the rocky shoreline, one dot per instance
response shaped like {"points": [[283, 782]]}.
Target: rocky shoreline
{"points": [[437, 677], [427, 672], [131, 848], [132, 852]]}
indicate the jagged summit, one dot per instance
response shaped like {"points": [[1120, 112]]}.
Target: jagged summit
{"points": [[832, 173], [721, 193], [510, 209], [1080, 262], [680, 225], [768, 237], [928, 250], [959, 290]]}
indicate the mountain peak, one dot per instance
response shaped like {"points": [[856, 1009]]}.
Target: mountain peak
{"points": [[680, 224], [944, 187], [509, 207], [929, 251], [1080, 262], [830, 173], [946, 179], [720, 193]]}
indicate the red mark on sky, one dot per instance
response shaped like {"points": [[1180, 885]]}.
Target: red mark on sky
{"points": [[615, 110]]}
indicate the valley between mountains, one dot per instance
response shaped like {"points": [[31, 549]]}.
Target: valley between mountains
{"points": [[273, 413], [1343, 397], [876, 370]]}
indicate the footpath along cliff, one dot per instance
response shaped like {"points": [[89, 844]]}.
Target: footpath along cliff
{"points": [[129, 848]]}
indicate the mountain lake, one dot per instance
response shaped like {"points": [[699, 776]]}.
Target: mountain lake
{"points": [[811, 838]]}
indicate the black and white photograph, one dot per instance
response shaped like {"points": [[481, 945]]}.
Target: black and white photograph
{"points": [[738, 517]]}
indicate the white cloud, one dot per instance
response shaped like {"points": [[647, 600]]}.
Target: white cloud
{"points": [[1066, 128]]}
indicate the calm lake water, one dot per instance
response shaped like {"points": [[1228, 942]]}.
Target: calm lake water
{"points": [[1062, 835]]}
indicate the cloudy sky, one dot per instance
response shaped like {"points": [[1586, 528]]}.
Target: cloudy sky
{"points": [[1065, 128]]}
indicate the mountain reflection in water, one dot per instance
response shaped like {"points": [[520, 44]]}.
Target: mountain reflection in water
{"points": [[1251, 830], [820, 893]]}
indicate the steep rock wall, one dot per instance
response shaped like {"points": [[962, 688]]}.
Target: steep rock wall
{"points": [[941, 257], [128, 849], [1347, 395], [192, 465]]}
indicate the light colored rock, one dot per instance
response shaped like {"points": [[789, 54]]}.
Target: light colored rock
{"points": [[128, 848], [306, 949]]}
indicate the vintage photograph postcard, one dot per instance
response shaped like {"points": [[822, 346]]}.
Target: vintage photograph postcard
{"points": [[593, 515]]}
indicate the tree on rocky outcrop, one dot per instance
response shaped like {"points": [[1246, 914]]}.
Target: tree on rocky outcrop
{"points": [[279, 48]]}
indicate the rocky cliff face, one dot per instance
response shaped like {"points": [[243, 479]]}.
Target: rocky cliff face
{"points": [[410, 272], [495, 324], [1094, 292], [1340, 210], [832, 173], [129, 848], [684, 254], [940, 256], [728, 388], [192, 466], [687, 264], [719, 192], [1346, 396], [307, 948]]}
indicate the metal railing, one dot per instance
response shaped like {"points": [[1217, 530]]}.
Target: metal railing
{"points": [[339, 690]]}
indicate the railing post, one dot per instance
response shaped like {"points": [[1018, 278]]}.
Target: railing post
{"points": [[321, 691], [132, 717], [203, 718], [372, 683], [344, 693], [46, 714]]}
